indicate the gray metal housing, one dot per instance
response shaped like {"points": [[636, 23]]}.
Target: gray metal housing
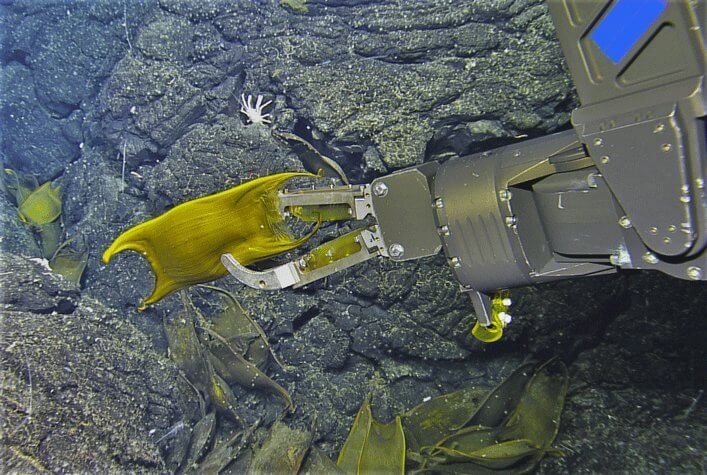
{"points": [[624, 189]]}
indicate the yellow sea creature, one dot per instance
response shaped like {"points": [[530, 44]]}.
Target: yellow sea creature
{"points": [[42, 206], [185, 244]]}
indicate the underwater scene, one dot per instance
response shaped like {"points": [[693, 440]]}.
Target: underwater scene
{"points": [[222, 251]]}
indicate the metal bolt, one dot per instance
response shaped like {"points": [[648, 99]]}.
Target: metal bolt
{"points": [[504, 195], [443, 230], [694, 273], [598, 141], [380, 189], [649, 258], [510, 221], [625, 223], [439, 203], [659, 128], [396, 250], [666, 147], [455, 261], [604, 159]]}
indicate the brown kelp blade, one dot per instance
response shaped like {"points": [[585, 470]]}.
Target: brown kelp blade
{"points": [[431, 421], [510, 430], [537, 415], [372, 447]]}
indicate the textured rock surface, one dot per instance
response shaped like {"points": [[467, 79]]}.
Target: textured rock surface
{"points": [[55, 57], [376, 86], [82, 389], [15, 237], [635, 401]]}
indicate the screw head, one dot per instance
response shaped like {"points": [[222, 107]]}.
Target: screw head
{"points": [[694, 273], [649, 258], [455, 261], [510, 221], [380, 189], [598, 141], [396, 250], [504, 195], [439, 203], [443, 230], [625, 222]]}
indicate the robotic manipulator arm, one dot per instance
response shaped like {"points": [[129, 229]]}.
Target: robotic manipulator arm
{"points": [[625, 188]]}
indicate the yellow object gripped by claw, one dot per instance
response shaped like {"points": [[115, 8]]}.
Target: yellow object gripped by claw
{"points": [[184, 245]]}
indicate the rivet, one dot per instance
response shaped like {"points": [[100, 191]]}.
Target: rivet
{"points": [[653, 230], [672, 228], [443, 230], [694, 273], [504, 195], [455, 261], [659, 128], [439, 203], [685, 199], [598, 141], [604, 159], [380, 189], [510, 221], [666, 240], [666, 147], [649, 258], [625, 223], [396, 250]]}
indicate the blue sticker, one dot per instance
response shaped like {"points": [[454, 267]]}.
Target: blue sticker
{"points": [[624, 24]]}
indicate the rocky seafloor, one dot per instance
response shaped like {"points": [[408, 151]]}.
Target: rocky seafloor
{"points": [[133, 107]]}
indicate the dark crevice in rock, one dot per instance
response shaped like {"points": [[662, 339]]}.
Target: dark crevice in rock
{"points": [[303, 318], [20, 56]]}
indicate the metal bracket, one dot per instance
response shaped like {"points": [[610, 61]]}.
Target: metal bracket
{"points": [[357, 197], [482, 305], [296, 274]]}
